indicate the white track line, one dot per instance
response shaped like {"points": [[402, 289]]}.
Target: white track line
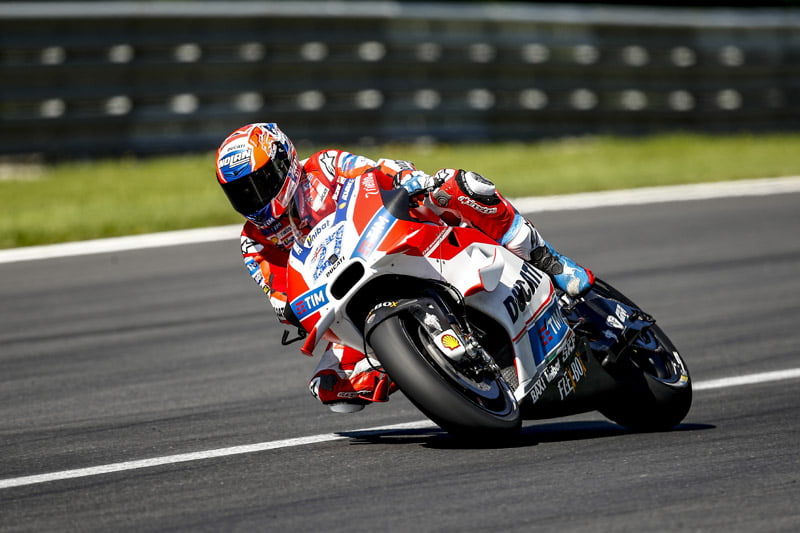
{"points": [[653, 195], [122, 244], [750, 379], [737, 381], [645, 195]]}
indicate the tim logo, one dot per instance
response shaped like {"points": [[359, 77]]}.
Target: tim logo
{"points": [[551, 330], [310, 302], [547, 334]]}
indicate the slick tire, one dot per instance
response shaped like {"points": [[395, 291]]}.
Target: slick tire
{"points": [[656, 390], [462, 406]]}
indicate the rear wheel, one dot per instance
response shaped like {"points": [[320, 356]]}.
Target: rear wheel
{"points": [[467, 400], [656, 391]]}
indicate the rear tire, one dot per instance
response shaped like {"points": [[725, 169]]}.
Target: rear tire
{"points": [[465, 406], [656, 392]]}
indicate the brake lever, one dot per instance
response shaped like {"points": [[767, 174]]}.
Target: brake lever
{"points": [[286, 341]]}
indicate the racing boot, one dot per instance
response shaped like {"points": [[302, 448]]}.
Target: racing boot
{"points": [[567, 275], [524, 240], [346, 381]]}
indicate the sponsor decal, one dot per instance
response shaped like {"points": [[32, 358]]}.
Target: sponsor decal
{"points": [[569, 345], [352, 394], [234, 158], [618, 319], [370, 188], [437, 241], [551, 371], [522, 292], [480, 208], [371, 316], [553, 327], [327, 254], [284, 237], [318, 229], [299, 252], [538, 389], [321, 192], [310, 302], [348, 162], [233, 147], [327, 161], [450, 342], [346, 191], [344, 200], [549, 336], [376, 230], [334, 262], [254, 269], [572, 376], [252, 265]]}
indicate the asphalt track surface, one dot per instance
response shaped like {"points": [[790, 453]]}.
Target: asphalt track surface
{"points": [[128, 356]]}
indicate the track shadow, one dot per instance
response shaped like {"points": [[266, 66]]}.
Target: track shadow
{"points": [[531, 435], [394, 436], [570, 431]]}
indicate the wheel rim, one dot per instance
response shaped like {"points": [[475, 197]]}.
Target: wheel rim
{"points": [[487, 393], [652, 355]]}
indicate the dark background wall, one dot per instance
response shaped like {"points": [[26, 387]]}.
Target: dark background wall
{"points": [[90, 79]]}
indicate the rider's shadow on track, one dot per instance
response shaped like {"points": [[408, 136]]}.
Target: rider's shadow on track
{"points": [[529, 436]]}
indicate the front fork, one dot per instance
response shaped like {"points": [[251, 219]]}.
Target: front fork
{"points": [[450, 333]]}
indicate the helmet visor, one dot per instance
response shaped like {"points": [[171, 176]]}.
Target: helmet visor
{"points": [[250, 194]]}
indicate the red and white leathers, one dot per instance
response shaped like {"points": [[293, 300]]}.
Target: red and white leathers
{"points": [[345, 378]]}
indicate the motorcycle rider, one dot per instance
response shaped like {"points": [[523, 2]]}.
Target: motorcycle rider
{"points": [[259, 171]]}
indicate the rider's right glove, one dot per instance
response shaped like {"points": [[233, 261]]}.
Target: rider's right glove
{"points": [[350, 394]]}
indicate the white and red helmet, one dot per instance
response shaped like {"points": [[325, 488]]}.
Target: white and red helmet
{"points": [[258, 169]]}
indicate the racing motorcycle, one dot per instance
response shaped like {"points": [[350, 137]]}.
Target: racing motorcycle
{"points": [[477, 338]]}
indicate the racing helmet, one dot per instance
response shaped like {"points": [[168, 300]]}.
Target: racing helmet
{"points": [[258, 170]]}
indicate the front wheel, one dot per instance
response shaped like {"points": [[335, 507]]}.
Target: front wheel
{"points": [[467, 402]]}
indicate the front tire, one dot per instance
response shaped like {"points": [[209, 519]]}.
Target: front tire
{"points": [[464, 405]]}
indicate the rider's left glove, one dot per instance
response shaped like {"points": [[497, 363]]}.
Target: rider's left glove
{"points": [[415, 182]]}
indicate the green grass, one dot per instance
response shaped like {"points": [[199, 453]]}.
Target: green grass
{"points": [[77, 201]]}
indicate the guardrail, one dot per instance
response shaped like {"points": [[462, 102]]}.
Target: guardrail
{"points": [[88, 79]]}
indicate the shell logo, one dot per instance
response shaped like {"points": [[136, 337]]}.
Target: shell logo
{"points": [[450, 342]]}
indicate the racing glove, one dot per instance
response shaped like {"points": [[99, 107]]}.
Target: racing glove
{"points": [[416, 182]]}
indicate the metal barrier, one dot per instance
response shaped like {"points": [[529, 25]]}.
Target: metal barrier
{"points": [[88, 79]]}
